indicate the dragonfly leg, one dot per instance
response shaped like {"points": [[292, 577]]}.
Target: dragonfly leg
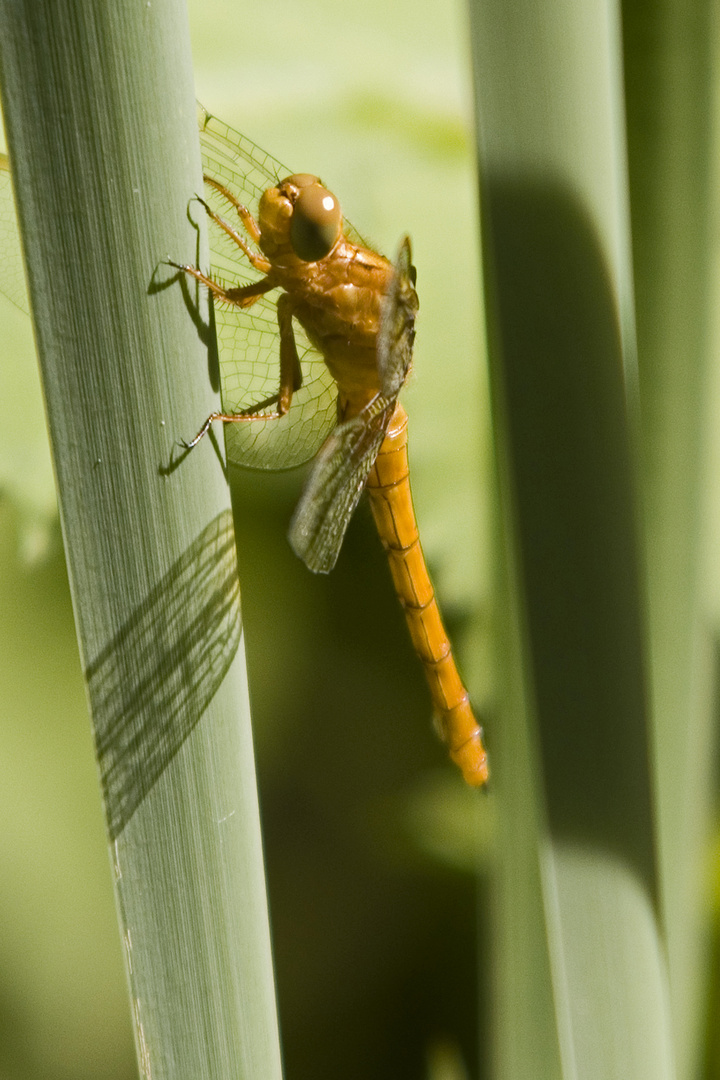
{"points": [[245, 295], [290, 370], [258, 262], [251, 226], [241, 295], [254, 412]]}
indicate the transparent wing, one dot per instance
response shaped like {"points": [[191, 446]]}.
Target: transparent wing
{"points": [[246, 169], [335, 485], [12, 272], [397, 324], [248, 340]]}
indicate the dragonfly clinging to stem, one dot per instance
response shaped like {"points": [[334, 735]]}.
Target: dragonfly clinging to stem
{"points": [[346, 321]]}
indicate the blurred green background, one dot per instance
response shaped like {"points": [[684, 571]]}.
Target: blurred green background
{"points": [[371, 843]]}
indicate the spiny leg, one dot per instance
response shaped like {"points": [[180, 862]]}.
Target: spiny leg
{"points": [[251, 226], [258, 262], [253, 413], [290, 370], [240, 296]]}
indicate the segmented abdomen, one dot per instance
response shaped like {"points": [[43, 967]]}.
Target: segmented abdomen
{"points": [[388, 486]]}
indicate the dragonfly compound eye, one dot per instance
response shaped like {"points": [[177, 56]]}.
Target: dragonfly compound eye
{"points": [[316, 223]]}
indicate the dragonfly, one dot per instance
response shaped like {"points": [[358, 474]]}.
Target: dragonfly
{"points": [[314, 373]]}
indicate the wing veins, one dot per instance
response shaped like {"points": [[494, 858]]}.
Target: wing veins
{"points": [[335, 485]]}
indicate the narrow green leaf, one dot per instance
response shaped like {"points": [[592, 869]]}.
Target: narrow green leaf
{"points": [[669, 53], [579, 931], [100, 117]]}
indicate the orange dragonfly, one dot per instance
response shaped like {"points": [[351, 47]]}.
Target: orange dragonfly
{"points": [[342, 330]]}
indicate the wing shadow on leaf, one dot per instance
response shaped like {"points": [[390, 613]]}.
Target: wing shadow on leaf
{"points": [[151, 684]]}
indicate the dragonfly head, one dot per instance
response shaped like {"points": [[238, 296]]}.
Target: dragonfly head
{"points": [[302, 214]]}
